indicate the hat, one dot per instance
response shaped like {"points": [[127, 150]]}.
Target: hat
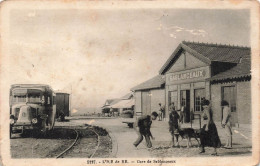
{"points": [[205, 102], [224, 103]]}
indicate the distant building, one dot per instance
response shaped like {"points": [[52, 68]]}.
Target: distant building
{"points": [[118, 105], [198, 71], [108, 105]]}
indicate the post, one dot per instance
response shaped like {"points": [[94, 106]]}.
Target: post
{"points": [[200, 120], [190, 121]]}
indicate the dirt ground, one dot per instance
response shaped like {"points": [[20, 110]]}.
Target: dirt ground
{"points": [[125, 136], [31, 146], [164, 149]]}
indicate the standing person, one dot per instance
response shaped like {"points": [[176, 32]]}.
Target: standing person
{"points": [[171, 107], [173, 125], [160, 112], [142, 126], [209, 134], [226, 123], [182, 114]]}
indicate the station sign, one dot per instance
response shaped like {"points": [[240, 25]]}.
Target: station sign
{"points": [[189, 75]]}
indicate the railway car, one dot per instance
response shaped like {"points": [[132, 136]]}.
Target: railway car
{"points": [[32, 107], [62, 104]]}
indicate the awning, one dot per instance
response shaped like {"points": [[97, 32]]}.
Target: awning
{"points": [[23, 92], [106, 107], [124, 104], [19, 92]]}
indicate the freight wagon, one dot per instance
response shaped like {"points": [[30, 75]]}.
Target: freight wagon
{"points": [[62, 105]]}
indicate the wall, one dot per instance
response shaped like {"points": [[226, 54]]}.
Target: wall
{"points": [[193, 62], [178, 65], [243, 101], [158, 96], [138, 100], [215, 102], [186, 61]]}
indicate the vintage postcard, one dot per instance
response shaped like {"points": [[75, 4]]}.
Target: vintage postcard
{"points": [[129, 82]]}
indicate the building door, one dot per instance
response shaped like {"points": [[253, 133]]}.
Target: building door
{"points": [[146, 103], [185, 101], [229, 94], [199, 96], [173, 97]]}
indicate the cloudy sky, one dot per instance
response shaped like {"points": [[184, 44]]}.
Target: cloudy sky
{"points": [[101, 54]]}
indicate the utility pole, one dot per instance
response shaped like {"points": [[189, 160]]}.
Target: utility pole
{"points": [[70, 99]]}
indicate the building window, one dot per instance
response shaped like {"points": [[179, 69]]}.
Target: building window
{"points": [[199, 96], [173, 98], [229, 94], [183, 98]]}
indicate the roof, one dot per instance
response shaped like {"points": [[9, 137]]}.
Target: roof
{"points": [[155, 82], [110, 102], [61, 92], [32, 86], [124, 104], [127, 96], [208, 53], [242, 69]]}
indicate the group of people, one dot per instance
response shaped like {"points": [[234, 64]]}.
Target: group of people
{"points": [[208, 134], [161, 112]]}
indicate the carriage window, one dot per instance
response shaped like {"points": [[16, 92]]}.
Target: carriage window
{"points": [[49, 100], [34, 98], [17, 98], [199, 96]]}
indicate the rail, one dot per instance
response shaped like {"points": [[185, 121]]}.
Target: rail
{"points": [[74, 142]]}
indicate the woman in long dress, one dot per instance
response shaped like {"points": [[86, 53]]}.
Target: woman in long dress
{"points": [[209, 134]]}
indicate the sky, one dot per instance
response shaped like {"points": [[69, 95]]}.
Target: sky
{"points": [[98, 54]]}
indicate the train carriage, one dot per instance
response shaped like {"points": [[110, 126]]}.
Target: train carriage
{"points": [[32, 107]]}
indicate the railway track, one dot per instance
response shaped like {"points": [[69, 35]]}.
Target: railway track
{"points": [[74, 142], [64, 142], [89, 142]]}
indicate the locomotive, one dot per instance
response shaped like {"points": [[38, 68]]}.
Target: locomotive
{"points": [[32, 108]]}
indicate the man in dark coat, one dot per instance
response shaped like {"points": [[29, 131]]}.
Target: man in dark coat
{"points": [[174, 125], [142, 126]]}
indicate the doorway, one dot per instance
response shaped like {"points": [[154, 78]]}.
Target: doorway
{"points": [[229, 94], [146, 103], [185, 102], [173, 97]]}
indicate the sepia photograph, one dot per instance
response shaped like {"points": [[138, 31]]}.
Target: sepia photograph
{"points": [[129, 83]]}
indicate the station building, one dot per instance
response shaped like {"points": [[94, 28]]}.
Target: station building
{"points": [[149, 94], [198, 71]]}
